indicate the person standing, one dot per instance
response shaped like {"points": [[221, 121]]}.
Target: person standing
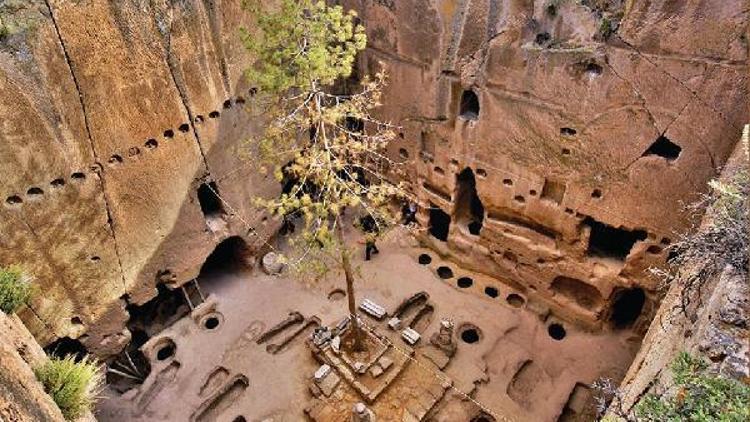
{"points": [[370, 228]]}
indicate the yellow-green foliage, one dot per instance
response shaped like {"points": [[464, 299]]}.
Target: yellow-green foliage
{"points": [[15, 288], [327, 145], [701, 396], [72, 385], [301, 42]]}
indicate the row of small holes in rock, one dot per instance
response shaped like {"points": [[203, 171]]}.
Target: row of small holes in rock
{"points": [[36, 192], [445, 273]]}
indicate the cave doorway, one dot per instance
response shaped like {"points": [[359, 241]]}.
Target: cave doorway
{"points": [[627, 307], [469, 106], [209, 200], [231, 255], [610, 242], [469, 209], [439, 223]]}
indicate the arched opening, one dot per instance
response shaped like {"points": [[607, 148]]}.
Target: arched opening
{"points": [[469, 107], [627, 307], [230, 255], [208, 197], [469, 209], [439, 223]]}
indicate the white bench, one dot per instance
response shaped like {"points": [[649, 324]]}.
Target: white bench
{"points": [[373, 309], [410, 336]]}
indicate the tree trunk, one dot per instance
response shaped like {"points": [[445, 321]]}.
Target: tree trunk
{"points": [[348, 273]]}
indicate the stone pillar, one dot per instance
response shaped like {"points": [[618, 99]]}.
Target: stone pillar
{"points": [[360, 413]]}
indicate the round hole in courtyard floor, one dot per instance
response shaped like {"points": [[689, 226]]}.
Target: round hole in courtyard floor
{"points": [[336, 294], [211, 323], [465, 282], [166, 351], [515, 300], [444, 272], [424, 259], [470, 333], [556, 331], [491, 291]]}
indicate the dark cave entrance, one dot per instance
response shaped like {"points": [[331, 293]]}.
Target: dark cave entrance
{"points": [[627, 307], [610, 242], [664, 148], [469, 209], [130, 368], [231, 255], [439, 224], [66, 346], [469, 106], [208, 197]]}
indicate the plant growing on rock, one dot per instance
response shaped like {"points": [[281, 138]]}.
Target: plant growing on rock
{"points": [[699, 396], [73, 385], [724, 242], [325, 146], [15, 288]]}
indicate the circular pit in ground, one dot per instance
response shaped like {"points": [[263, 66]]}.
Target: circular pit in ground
{"points": [[556, 331], [424, 259], [166, 350], [515, 300], [469, 333], [336, 294], [491, 291]]}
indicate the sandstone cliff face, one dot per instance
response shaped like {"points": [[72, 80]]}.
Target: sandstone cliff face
{"points": [[561, 137], [22, 397], [715, 328], [115, 113]]}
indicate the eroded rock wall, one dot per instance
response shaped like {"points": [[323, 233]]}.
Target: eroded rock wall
{"points": [[22, 397], [715, 327], [570, 126], [561, 138], [114, 114]]}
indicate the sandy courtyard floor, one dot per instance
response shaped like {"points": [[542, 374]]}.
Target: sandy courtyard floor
{"points": [[512, 368]]}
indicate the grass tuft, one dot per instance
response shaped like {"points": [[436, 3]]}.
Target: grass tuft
{"points": [[15, 288], [73, 386]]}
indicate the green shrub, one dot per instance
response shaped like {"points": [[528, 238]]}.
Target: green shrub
{"points": [[700, 396], [72, 385], [15, 288]]}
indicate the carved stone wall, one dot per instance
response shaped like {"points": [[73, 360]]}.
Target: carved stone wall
{"points": [[533, 126]]}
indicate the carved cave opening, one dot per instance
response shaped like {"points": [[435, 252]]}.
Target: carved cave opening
{"points": [[627, 306], [583, 294], [208, 197], [231, 255], [664, 148], [66, 346], [609, 242], [469, 106], [439, 224], [469, 210]]}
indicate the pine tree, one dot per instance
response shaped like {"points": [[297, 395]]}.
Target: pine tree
{"points": [[326, 146]]}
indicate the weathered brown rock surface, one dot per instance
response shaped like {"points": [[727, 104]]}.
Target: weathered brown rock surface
{"points": [[115, 113]]}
